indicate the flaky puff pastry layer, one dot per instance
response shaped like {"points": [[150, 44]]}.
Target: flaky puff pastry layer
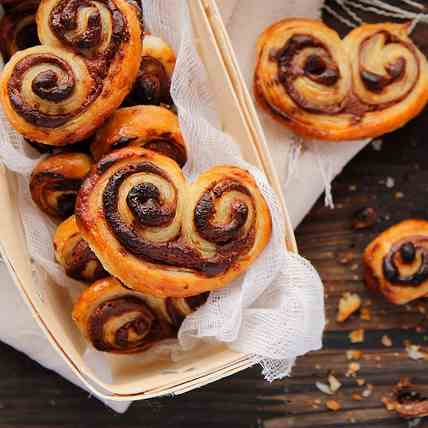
{"points": [[73, 253], [396, 262], [55, 181], [155, 128], [60, 92], [116, 319], [164, 236], [373, 81]]}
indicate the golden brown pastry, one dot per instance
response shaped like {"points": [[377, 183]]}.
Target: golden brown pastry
{"points": [[153, 82], [60, 92], [55, 181], [18, 29], [116, 319], [155, 128], [370, 83], [396, 262], [74, 254], [163, 236]]}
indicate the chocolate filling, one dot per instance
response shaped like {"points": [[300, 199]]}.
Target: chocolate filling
{"points": [[395, 71], [78, 260], [230, 243], [406, 251], [320, 68], [177, 316], [152, 85], [51, 87], [140, 326], [45, 182]]}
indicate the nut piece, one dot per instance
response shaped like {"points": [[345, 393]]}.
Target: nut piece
{"points": [[348, 304], [333, 405], [386, 341]]}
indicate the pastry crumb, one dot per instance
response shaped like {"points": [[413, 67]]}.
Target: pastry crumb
{"points": [[368, 391], [357, 336], [356, 396], [353, 369], [386, 341], [360, 381], [365, 314], [348, 304], [354, 354], [333, 405]]}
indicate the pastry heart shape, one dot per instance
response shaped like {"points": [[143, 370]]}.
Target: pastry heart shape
{"points": [[161, 235], [60, 92], [371, 82]]}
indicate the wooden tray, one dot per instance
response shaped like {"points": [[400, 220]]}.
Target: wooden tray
{"points": [[51, 305]]}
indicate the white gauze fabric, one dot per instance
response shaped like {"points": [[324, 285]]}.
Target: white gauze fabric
{"points": [[275, 312]]}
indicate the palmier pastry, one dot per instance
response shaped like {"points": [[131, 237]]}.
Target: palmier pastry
{"points": [[153, 82], [55, 181], [372, 82], [116, 319], [155, 128], [396, 262], [18, 29], [60, 92], [163, 236], [74, 254]]}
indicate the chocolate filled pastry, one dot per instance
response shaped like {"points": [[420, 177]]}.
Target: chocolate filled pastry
{"points": [[73, 253], [18, 29], [60, 92], [163, 236], [371, 82], [153, 82], [55, 181], [152, 127], [116, 319], [396, 262]]}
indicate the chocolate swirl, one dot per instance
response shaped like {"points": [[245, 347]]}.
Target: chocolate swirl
{"points": [[56, 180], [150, 208], [74, 254], [410, 254], [116, 319], [54, 84], [304, 57], [388, 70], [135, 326], [59, 92], [152, 85], [138, 205]]}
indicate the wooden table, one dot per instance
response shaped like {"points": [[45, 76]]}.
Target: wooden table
{"points": [[33, 396]]}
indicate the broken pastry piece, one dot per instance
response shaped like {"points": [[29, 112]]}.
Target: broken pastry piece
{"points": [[348, 304], [407, 400], [396, 262]]}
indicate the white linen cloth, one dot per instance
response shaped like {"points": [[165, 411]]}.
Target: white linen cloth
{"points": [[313, 168]]}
